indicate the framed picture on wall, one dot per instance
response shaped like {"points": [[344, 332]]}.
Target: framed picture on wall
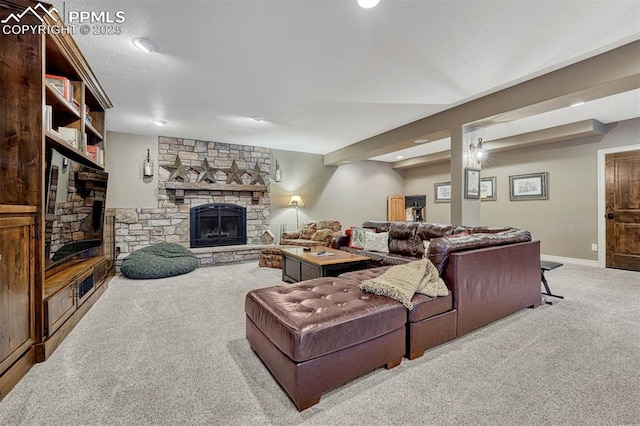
{"points": [[532, 186], [471, 183], [488, 189], [443, 192]]}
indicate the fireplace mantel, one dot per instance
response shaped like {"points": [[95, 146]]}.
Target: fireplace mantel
{"points": [[180, 187]]}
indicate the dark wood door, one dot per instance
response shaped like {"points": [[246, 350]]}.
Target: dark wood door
{"points": [[623, 210]]}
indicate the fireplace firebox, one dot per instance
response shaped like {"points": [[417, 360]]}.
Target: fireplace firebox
{"points": [[218, 225]]}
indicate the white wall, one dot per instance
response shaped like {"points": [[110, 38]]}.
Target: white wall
{"points": [[352, 193], [421, 180], [124, 156]]}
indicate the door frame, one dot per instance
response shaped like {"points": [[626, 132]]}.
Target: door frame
{"points": [[602, 226]]}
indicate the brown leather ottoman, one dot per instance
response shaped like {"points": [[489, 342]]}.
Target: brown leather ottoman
{"points": [[431, 322], [318, 334]]}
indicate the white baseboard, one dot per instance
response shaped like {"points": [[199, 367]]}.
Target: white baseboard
{"points": [[571, 260]]}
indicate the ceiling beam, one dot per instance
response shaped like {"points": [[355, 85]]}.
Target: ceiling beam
{"points": [[609, 73], [565, 132]]}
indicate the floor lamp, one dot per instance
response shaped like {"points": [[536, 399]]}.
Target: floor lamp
{"points": [[296, 201]]}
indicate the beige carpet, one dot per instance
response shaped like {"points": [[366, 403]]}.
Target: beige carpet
{"points": [[172, 351]]}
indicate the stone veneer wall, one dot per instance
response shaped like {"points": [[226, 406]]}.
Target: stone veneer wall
{"points": [[169, 222]]}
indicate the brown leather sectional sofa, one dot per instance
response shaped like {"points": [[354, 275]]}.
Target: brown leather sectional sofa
{"points": [[319, 334], [406, 241]]}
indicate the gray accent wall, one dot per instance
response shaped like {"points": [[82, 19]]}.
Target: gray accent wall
{"points": [[566, 223]]}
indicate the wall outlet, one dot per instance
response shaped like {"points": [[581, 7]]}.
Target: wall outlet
{"points": [[594, 247]]}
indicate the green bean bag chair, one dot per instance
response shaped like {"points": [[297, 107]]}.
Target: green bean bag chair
{"points": [[158, 261]]}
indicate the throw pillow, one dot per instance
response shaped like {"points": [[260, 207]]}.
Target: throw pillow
{"points": [[321, 235], [377, 242], [358, 236], [307, 230], [398, 282]]}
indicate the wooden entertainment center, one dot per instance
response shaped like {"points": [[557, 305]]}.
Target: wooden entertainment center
{"points": [[40, 305]]}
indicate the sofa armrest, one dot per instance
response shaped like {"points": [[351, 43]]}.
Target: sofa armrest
{"points": [[340, 241], [493, 282], [331, 237]]}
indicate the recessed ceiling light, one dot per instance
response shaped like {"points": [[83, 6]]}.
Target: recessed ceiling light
{"points": [[577, 103], [159, 122], [257, 118], [144, 44], [399, 157], [368, 4], [421, 140]]}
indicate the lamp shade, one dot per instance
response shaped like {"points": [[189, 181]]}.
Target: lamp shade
{"points": [[296, 200]]}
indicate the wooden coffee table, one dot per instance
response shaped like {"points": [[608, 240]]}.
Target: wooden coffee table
{"points": [[299, 265]]}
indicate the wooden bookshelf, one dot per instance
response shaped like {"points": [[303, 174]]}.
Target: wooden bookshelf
{"points": [[29, 333]]}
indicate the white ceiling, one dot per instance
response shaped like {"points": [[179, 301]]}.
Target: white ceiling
{"points": [[325, 73]]}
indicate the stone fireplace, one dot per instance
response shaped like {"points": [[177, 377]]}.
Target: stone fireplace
{"points": [[170, 222], [218, 224]]}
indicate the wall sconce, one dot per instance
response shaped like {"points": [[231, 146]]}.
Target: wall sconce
{"points": [[477, 151], [147, 166], [296, 201], [278, 172]]}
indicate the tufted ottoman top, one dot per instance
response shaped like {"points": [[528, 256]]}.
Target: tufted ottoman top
{"points": [[316, 317]]}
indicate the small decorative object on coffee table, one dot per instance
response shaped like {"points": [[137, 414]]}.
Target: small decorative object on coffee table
{"points": [[299, 265]]}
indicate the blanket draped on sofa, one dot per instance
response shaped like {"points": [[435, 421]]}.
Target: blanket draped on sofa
{"points": [[401, 282]]}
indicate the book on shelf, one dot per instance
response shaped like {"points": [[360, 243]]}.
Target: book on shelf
{"points": [[87, 116], [62, 85], [72, 136], [96, 152], [48, 117], [92, 151]]}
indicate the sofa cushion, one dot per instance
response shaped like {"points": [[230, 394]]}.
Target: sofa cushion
{"points": [[307, 230], [298, 242], [290, 235], [377, 241], [402, 239], [377, 225], [427, 231], [320, 234], [320, 316]]}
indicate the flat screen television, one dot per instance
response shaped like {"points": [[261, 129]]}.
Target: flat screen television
{"points": [[74, 210]]}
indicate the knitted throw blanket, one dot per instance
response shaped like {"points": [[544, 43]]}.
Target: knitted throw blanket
{"points": [[401, 282]]}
